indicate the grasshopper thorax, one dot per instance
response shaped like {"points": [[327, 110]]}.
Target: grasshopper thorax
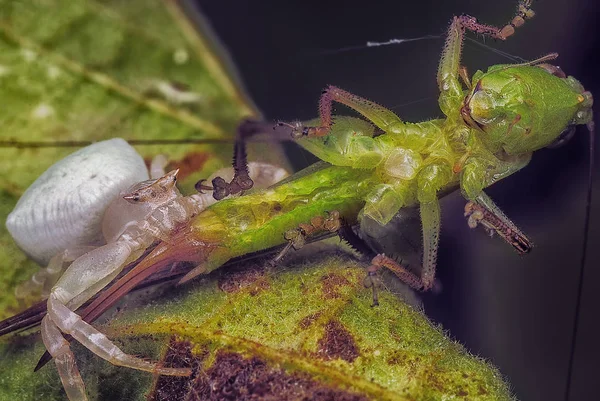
{"points": [[520, 109]]}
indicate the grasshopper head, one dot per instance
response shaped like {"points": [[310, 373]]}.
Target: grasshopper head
{"points": [[524, 108]]}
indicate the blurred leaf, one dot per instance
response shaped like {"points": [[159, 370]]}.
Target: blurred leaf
{"points": [[84, 70]]}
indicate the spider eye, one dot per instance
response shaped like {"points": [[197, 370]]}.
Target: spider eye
{"points": [[563, 138], [132, 198]]}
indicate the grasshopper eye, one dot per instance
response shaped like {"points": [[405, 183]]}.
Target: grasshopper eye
{"points": [[482, 106], [564, 137], [478, 108], [553, 69]]}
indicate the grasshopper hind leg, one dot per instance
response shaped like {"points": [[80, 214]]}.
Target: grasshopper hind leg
{"points": [[372, 280], [296, 239], [333, 223]]}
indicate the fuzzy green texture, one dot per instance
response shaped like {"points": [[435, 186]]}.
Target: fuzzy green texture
{"points": [[391, 352]]}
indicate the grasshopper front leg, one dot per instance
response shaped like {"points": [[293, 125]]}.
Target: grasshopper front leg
{"points": [[481, 209], [485, 212], [449, 70], [482, 212]]}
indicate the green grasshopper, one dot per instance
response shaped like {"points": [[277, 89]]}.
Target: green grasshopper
{"points": [[375, 168], [489, 132]]}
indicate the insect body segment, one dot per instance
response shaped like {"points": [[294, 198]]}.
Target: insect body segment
{"points": [[254, 222], [508, 104]]}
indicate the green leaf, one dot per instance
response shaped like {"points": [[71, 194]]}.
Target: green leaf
{"points": [[259, 330]]}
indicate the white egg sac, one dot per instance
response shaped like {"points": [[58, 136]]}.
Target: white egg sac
{"points": [[64, 206]]}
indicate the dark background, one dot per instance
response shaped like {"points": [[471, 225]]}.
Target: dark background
{"points": [[517, 312]]}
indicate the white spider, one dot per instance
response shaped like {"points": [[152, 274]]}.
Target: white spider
{"points": [[97, 209]]}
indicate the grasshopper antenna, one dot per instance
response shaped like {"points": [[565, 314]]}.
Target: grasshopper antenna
{"points": [[586, 229]]}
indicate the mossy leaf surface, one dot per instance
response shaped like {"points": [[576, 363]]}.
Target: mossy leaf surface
{"points": [[304, 330]]}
